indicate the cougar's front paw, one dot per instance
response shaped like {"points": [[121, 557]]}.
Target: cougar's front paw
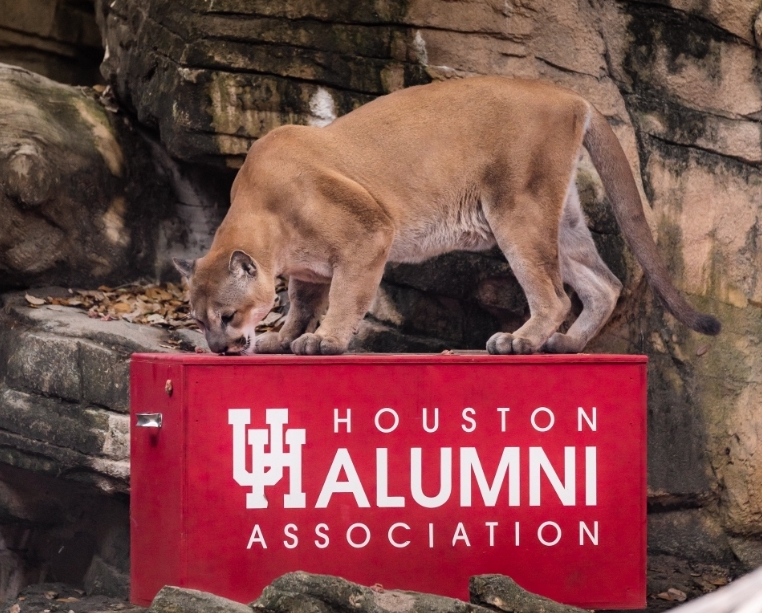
{"points": [[330, 345], [271, 342], [503, 343], [562, 343], [312, 344]]}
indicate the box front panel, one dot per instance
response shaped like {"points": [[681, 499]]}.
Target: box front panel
{"points": [[418, 476]]}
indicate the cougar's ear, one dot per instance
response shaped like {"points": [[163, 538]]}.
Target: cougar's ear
{"points": [[242, 265], [185, 267]]}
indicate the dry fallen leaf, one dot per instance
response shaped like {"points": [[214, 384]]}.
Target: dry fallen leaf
{"points": [[34, 300], [672, 595], [122, 307], [15, 608], [50, 595], [270, 318], [716, 580], [678, 595], [165, 305]]}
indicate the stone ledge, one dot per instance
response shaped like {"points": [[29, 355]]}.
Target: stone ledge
{"points": [[64, 390]]}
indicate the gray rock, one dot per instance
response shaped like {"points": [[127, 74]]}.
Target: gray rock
{"points": [[180, 600], [692, 534], [454, 275], [413, 312], [52, 422], [105, 376], [81, 199], [119, 335], [55, 527], [747, 550], [69, 368], [504, 594], [51, 597], [678, 462], [301, 592], [46, 364], [105, 580]]}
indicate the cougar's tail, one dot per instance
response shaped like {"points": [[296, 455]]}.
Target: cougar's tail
{"points": [[614, 170]]}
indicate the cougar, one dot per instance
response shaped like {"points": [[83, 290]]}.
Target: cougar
{"points": [[457, 165]]}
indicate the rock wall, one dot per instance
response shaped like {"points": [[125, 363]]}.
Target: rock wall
{"points": [[64, 443], [58, 39], [86, 197], [214, 76], [199, 81]]}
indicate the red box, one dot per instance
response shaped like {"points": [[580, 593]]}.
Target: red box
{"points": [[413, 471]]}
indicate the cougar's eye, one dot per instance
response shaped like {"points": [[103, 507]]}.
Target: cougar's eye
{"points": [[226, 319]]}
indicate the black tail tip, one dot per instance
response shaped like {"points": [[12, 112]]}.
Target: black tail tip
{"points": [[708, 324]]}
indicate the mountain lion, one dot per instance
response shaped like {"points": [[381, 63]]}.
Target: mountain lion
{"points": [[464, 164]]}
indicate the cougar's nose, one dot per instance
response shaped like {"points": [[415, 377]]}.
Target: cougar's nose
{"points": [[217, 346]]}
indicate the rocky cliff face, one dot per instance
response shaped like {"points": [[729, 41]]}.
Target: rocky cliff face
{"points": [[214, 76], [679, 80]]}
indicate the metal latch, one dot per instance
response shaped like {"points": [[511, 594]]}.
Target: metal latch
{"points": [[148, 420]]}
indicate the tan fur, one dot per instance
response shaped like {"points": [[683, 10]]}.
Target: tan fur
{"points": [[457, 165]]}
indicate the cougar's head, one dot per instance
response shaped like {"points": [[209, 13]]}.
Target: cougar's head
{"points": [[229, 296]]}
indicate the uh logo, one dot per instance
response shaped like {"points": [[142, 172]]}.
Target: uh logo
{"points": [[267, 467]]}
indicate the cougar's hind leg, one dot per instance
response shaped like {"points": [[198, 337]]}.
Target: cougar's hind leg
{"points": [[308, 302], [527, 234], [584, 270]]}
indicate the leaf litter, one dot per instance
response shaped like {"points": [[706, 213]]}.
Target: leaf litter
{"points": [[163, 305]]}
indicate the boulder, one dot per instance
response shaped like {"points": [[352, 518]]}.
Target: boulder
{"points": [[79, 193], [301, 592], [501, 593], [172, 599]]}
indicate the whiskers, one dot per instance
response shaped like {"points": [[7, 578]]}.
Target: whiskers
{"points": [[241, 346]]}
